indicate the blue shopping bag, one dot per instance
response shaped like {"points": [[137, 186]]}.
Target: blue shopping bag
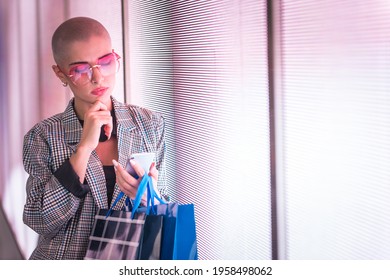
{"points": [[179, 231], [179, 240]]}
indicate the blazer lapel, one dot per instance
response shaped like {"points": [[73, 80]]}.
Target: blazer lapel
{"points": [[130, 141], [97, 181]]}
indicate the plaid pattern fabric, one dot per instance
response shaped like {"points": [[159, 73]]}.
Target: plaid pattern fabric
{"points": [[120, 237], [116, 237], [62, 220]]}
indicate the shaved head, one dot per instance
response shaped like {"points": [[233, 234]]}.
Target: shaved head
{"points": [[72, 30]]}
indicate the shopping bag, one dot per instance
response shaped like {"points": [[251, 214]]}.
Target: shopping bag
{"points": [[123, 235], [116, 236], [179, 229], [120, 237], [179, 240], [151, 241]]}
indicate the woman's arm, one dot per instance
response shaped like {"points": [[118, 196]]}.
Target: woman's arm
{"points": [[49, 205]]}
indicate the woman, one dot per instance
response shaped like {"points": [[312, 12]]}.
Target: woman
{"points": [[74, 159]]}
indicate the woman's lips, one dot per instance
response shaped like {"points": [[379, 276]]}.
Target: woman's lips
{"points": [[99, 91]]}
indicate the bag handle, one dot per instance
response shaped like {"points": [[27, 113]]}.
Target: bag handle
{"points": [[120, 195], [146, 184]]}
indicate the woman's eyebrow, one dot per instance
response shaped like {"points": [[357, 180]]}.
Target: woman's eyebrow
{"points": [[78, 62], [86, 62]]}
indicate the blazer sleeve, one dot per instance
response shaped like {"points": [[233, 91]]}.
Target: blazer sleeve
{"points": [[49, 205]]}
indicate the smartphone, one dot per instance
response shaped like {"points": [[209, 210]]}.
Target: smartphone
{"points": [[143, 159]]}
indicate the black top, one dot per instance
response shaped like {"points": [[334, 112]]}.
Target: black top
{"points": [[110, 175]]}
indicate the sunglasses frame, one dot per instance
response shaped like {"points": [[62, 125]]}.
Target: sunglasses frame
{"points": [[90, 74]]}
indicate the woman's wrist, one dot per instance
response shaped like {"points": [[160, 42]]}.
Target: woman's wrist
{"points": [[83, 150], [70, 180], [79, 161]]}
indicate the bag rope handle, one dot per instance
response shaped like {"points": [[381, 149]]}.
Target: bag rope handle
{"points": [[146, 184]]}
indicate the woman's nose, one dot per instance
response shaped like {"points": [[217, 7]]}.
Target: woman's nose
{"points": [[97, 77]]}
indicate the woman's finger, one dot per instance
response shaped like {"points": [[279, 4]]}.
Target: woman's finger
{"points": [[124, 174], [137, 168], [153, 172]]}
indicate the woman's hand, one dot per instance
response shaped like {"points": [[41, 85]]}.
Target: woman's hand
{"points": [[129, 185], [94, 118]]}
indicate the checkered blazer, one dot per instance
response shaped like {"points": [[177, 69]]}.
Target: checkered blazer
{"points": [[62, 220]]}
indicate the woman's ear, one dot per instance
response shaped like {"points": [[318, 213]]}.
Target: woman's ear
{"points": [[60, 75]]}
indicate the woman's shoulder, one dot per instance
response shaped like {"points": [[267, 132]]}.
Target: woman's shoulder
{"points": [[144, 112], [47, 124], [138, 113]]}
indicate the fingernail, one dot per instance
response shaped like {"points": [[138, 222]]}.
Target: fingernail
{"points": [[132, 162], [115, 163]]}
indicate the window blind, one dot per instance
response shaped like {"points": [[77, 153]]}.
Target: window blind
{"points": [[336, 118], [149, 67], [204, 65]]}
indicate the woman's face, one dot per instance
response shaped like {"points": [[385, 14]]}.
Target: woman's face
{"points": [[80, 57]]}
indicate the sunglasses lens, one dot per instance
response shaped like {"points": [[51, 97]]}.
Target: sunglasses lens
{"points": [[108, 65], [80, 74]]}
